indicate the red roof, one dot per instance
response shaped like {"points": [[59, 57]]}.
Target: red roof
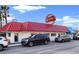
{"points": [[32, 26]]}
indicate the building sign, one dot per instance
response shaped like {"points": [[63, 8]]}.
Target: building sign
{"points": [[50, 18]]}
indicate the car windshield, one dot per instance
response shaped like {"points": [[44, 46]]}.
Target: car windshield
{"points": [[32, 36], [77, 34], [0, 38]]}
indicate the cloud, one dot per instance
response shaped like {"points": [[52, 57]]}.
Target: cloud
{"points": [[24, 8], [67, 24], [72, 22], [69, 21], [9, 19], [66, 17], [58, 19]]}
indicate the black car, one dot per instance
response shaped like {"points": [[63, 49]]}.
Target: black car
{"points": [[35, 40]]}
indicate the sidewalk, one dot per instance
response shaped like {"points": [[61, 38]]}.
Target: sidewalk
{"points": [[14, 44]]}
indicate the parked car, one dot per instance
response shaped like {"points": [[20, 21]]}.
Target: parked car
{"points": [[35, 40], [3, 43], [76, 37], [63, 38]]}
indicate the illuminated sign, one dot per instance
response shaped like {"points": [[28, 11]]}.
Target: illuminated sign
{"points": [[50, 18]]}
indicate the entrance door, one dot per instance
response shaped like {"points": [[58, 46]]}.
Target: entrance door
{"points": [[16, 37], [53, 36]]}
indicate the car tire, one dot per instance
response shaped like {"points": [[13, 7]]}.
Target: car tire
{"points": [[56, 39], [30, 44], [45, 42], [73, 38], [1, 47], [23, 45]]}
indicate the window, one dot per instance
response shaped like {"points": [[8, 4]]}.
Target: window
{"points": [[53, 34], [32, 36], [3, 34], [47, 34], [0, 38], [77, 35], [9, 34], [37, 36]]}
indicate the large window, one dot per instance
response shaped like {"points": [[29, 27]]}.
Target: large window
{"points": [[0, 38]]}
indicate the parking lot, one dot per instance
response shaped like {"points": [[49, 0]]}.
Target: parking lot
{"points": [[52, 48]]}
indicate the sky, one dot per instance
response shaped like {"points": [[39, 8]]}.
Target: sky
{"points": [[66, 15]]}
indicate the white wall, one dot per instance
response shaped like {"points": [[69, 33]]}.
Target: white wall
{"points": [[20, 36], [24, 35], [11, 38]]}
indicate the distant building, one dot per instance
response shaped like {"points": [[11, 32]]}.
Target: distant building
{"points": [[15, 31]]}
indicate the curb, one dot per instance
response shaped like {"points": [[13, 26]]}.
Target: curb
{"points": [[13, 45]]}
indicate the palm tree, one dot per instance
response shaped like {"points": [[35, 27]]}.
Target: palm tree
{"points": [[5, 12], [0, 19]]}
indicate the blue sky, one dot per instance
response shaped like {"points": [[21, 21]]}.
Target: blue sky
{"points": [[67, 15]]}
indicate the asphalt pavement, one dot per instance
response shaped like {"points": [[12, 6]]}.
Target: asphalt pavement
{"points": [[52, 48]]}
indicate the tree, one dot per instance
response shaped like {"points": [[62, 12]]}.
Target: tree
{"points": [[5, 11], [0, 19]]}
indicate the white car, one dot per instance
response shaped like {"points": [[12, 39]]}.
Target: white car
{"points": [[3, 43]]}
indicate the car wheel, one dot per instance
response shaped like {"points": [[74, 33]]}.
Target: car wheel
{"points": [[45, 42], [75, 38], [23, 45], [56, 39], [30, 44], [1, 47]]}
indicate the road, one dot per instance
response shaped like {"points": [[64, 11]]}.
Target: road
{"points": [[52, 48]]}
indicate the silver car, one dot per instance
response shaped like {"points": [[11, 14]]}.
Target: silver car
{"points": [[76, 37], [63, 38]]}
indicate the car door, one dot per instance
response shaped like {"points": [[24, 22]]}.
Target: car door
{"points": [[38, 38], [35, 39]]}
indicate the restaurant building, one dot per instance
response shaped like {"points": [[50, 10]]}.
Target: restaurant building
{"points": [[15, 31]]}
